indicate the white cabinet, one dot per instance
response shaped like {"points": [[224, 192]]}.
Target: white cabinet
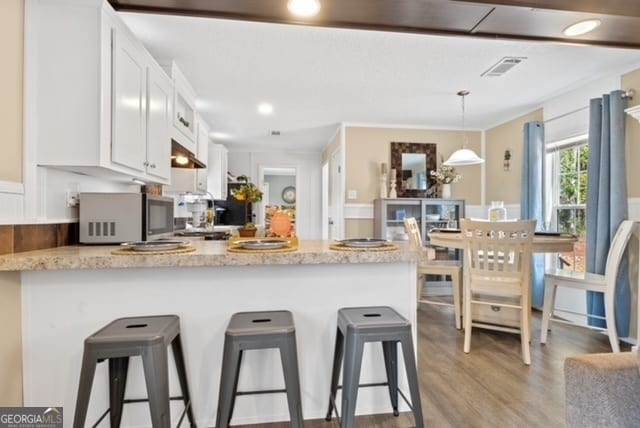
{"points": [[217, 175], [106, 109], [184, 110]]}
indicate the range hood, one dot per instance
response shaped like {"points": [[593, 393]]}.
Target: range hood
{"points": [[183, 158]]}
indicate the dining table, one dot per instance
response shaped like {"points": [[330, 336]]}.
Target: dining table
{"points": [[543, 242]]}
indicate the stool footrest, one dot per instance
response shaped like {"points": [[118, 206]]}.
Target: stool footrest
{"points": [[262, 391], [143, 400], [366, 385]]}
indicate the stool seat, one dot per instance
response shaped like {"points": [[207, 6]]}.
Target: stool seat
{"points": [[147, 337], [357, 326], [260, 323], [259, 330]]}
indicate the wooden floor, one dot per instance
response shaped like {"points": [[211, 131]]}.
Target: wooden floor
{"points": [[490, 386]]}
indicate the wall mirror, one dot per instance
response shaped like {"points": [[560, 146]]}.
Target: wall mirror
{"points": [[412, 163]]}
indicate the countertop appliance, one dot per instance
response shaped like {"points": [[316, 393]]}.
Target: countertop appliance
{"points": [[111, 218]]}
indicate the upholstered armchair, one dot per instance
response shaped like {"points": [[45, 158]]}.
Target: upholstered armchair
{"points": [[603, 390]]}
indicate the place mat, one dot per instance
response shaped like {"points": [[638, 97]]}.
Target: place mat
{"points": [[292, 245], [385, 247], [132, 252]]}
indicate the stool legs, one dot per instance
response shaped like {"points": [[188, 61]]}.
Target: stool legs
{"points": [[390, 351], [335, 372], [178, 356], [351, 379], [156, 369], [84, 389], [231, 360], [118, 368], [412, 375], [288, 356]]}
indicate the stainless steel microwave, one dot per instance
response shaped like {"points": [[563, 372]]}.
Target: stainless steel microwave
{"points": [[111, 218]]}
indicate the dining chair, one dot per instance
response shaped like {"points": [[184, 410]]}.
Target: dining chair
{"points": [[588, 282], [428, 266], [497, 264]]}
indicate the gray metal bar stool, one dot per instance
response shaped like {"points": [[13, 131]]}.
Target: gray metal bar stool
{"points": [[259, 330], [121, 339], [356, 326]]}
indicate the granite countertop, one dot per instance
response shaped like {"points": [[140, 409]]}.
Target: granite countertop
{"points": [[208, 253]]}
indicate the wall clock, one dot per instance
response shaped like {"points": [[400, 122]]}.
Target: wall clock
{"points": [[289, 194]]}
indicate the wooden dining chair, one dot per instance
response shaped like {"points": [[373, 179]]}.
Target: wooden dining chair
{"points": [[588, 282], [428, 266], [497, 264]]}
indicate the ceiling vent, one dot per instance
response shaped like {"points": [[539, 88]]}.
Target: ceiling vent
{"points": [[502, 66], [274, 132]]}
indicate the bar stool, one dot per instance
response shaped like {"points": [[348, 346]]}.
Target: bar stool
{"points": [[147, 337], [356, 326], [259, 330]]}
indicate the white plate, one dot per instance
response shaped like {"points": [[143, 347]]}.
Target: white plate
{"points": [[363, 242], [160, 245], [263, 244]]}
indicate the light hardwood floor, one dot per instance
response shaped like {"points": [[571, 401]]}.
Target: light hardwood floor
{"points": [[490, 386]]}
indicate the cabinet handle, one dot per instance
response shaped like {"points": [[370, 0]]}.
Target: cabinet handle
{"points": [[153, 165], [146, 163]]}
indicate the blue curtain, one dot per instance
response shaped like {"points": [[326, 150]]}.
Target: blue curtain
{"points": [[531, 204], [607, 201]]}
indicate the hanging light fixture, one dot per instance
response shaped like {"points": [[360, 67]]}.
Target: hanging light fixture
{"points": [[463, 156]]}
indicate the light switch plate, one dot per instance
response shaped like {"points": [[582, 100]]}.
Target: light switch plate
{"points": [[352, 194]]}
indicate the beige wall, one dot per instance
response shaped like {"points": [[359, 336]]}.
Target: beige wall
{"points": [[629, 81], [505, 185], [366, 148], [11, 46]]}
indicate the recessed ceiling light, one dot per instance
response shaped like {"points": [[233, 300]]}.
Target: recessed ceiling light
{"points": [[582, 27], [265, 109], [219, 135], [304, 8]]}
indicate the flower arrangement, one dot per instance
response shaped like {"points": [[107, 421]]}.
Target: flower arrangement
{"points": [[445, 175], [247, 193]]}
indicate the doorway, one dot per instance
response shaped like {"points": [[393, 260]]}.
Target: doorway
{"points": [[279, 185]]}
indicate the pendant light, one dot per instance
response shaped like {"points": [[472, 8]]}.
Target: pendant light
{"points": [[463, 156]]}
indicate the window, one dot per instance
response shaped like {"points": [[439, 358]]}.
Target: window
{"points": [[568, 159]]}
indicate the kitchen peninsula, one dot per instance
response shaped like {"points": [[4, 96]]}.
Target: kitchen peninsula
{"points": [[68, 293]]}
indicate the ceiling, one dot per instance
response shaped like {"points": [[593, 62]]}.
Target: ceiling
{"points": [[316, 77]]}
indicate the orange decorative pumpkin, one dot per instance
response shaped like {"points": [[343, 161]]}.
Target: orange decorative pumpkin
{"points": [[281, 224]]}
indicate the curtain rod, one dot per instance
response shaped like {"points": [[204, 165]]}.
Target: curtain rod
{"points": [[628, 94]]}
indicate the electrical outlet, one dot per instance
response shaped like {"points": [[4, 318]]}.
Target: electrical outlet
{"points": [[73, 195], [73, 198], [352, 194]]}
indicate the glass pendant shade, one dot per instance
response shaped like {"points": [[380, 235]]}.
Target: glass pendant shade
{"points": [[463, 156]]}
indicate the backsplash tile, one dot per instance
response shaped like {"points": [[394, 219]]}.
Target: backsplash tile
{"points": [[30, 237], [6, 239]]}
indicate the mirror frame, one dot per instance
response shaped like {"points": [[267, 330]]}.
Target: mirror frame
{"points": [[397, 149]]}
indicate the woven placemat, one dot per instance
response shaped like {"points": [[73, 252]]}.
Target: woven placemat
{"points": [[385, 247], [234, 246], [132, 252], [286, 249]]}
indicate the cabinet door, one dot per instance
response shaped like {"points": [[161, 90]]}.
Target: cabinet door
{"points": [[217, 176], [201, 180], [159, 92], [202, 141], [128, 121]]}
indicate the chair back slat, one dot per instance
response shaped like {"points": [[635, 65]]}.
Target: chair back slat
{"points": [[498, 252], [412, 229], [616, 252]]}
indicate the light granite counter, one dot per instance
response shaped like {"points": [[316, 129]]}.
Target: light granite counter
{"points": [[208, 253], [66, 294]]}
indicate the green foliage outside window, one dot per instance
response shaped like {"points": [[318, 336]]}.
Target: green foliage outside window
{"points": [[573, 189]]}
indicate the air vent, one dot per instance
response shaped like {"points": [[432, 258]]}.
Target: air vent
{"points": [[502, 66], [274, 132]]}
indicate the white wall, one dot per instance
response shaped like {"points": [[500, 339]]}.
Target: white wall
{"points": [[308, 188]]}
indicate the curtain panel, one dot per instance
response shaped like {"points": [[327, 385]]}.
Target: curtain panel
{"points": [[607, 202], [532, 199]]}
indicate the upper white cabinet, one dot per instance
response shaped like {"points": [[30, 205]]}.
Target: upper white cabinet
{"points": [[184, 129], [217, 166], [105, 109]]}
